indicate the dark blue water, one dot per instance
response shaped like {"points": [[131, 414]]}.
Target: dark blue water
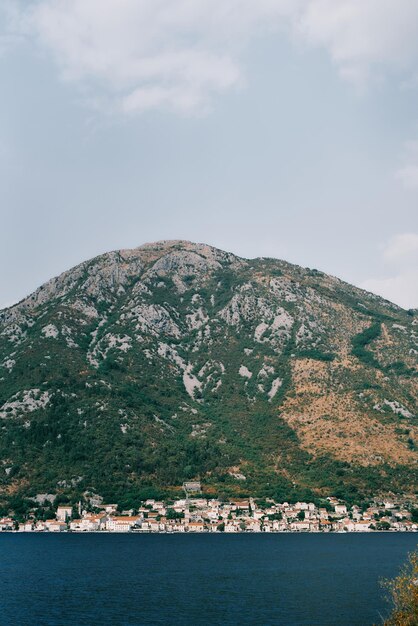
{"points": [[127, 580]]}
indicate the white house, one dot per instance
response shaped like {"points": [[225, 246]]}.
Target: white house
{"points": [[340, 509], [254, 526], [6, 523], [152, 524], [195, 527], [89, 523], [55, 526], [110, 508], [64, 513], [121, 524], [231, 527], [299, 526]]}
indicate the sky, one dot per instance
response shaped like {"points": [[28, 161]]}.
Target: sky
{"points": [[281, 128]]}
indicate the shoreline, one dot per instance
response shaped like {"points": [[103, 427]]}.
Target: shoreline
{"points": [[207, 532]]}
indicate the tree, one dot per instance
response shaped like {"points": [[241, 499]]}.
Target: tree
{"points": [[301, 515], [403, 594], [172, 514]]}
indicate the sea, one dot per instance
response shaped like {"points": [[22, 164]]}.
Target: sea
{"points": [[209, 579]]}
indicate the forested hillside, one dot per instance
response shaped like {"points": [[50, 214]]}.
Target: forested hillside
{"points": [[142, 368]]}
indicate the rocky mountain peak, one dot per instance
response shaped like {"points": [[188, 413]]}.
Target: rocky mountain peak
{"points": [[176, 360]]}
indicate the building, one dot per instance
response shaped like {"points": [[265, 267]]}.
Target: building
{"points": [[64, 513], [110, 508], [76, 525], [231, 527], [55, 526], [6, 523], [362, 527], [195, 527], [89, 523], [193, 486], [151, 525], [122, 523], [340, 509]]}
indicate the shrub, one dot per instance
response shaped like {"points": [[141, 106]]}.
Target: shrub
{"points": [[363, 339], [317, 355]]}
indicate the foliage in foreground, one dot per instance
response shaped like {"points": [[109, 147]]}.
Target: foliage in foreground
{"points": [[403, 593]]}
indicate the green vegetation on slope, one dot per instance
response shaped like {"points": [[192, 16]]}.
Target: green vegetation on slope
{"points": [[114, 349], [362, 340]]}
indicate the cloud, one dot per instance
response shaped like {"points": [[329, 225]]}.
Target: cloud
{"points": [[408, 173], [141, 55], [365, 38], [401, 289], [10, 25], [400, 254], [179, 54]]}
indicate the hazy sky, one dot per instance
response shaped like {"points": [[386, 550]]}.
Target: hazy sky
{"points": [[285, 128]]}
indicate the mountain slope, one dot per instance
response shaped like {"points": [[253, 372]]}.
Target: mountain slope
{"points": [[142, 368]]}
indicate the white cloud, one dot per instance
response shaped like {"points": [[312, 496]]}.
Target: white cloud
{"points": [[147, 54], [364, 37], [178, 54], [408, 173], [401, 289], [401, 257]]}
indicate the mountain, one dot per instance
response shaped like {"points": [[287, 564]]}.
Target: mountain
{"points": [[142, 368]]}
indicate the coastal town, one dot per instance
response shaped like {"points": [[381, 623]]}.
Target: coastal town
{"points": [[197, 514]]}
